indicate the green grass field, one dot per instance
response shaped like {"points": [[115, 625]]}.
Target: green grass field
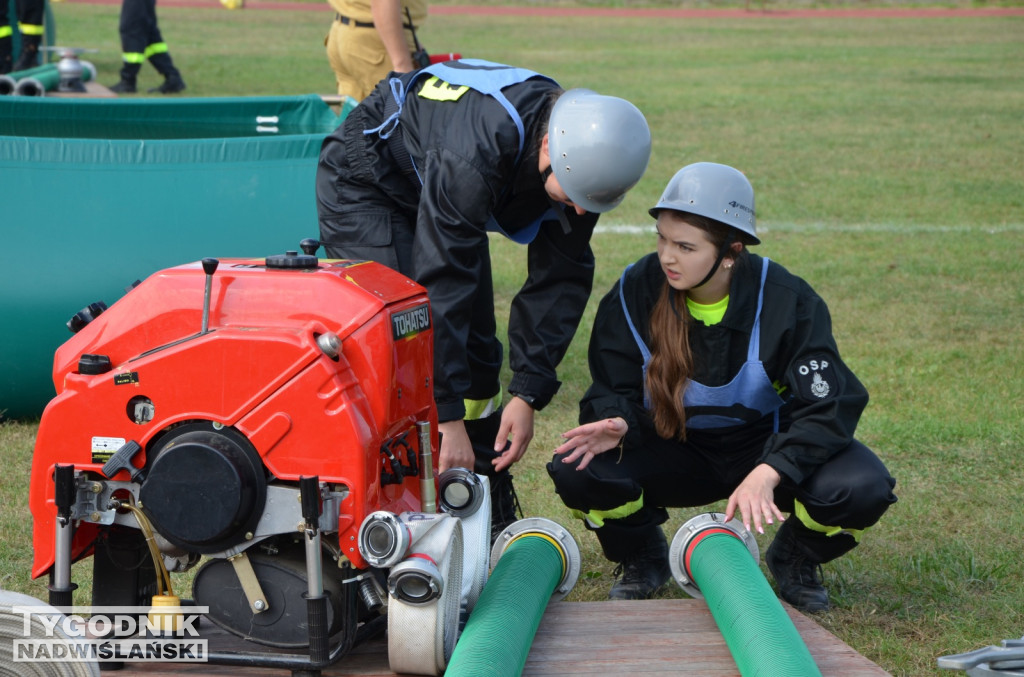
{"points": [[888, 160]]}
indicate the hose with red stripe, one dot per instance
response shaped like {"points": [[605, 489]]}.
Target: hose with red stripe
{"points": [[712, 559]]}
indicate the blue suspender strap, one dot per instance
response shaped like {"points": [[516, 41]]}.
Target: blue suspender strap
{"points": [[392, 109], [754, 347], [644, 350], [391, 131], [485, 77]]}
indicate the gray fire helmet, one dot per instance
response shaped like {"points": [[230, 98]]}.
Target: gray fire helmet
{"points": [[716, 191], [599, 147]]}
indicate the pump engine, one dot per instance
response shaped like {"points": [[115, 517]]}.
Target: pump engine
{"points": [[234, 409]]}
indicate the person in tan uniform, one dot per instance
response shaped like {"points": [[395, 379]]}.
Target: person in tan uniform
{"points": [[370, 38]]}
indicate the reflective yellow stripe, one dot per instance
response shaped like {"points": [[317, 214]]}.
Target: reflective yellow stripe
{"points": [[156, 48], [6, 31], [597, 517], [801, 514], [439, 90], [133, 57], [30, 29], [477, 409]]}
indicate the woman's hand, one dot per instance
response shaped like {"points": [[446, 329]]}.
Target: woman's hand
{"points": [[755, 498], [591, 439]]}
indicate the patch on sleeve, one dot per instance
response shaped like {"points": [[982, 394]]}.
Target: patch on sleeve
{"points": [[815, 378]]}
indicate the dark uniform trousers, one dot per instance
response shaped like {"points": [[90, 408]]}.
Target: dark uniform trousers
{"points": [[30, 26], [850, 492], [141, 39]]}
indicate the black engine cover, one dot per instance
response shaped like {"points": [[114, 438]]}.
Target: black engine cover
{"points": [[285, 623], [205, 488]]}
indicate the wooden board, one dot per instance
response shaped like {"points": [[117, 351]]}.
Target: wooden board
{"points": [[585, 639], [92, 90]]}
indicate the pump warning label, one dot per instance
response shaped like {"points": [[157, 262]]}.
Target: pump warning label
{"points": [[410, 322], [104, 447]]}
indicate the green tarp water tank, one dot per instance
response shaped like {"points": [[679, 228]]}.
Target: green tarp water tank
{"points": [[96, 194]]}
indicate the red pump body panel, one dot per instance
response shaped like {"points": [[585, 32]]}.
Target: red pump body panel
{"points": [[259, 370]]}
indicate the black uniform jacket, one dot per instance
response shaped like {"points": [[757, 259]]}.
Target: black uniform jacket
{"points": [[824, 399], [467, 152]]}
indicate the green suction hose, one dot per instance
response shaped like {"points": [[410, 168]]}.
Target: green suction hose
{"points": [[711, 559], [537, 561]]}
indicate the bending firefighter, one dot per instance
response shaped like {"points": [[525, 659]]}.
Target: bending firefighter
{"points": [[141, 40], [370, 38], [716, 376], [419, 174], [30, 27]]}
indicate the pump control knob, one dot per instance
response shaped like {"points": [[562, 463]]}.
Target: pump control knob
{"points": [[292, 260], [210, 266], [85, 316], [309, 246]]}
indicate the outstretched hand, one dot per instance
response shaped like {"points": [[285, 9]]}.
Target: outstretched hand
{"points": [[591, 439], [755, 498]]}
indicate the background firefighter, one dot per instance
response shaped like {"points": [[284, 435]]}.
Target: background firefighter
{"points": [[30, 27], [370, 38], [141, 40], [716, 375], [417, 176]]}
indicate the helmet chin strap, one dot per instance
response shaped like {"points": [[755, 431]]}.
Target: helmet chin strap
{"points": [[714, 269]]}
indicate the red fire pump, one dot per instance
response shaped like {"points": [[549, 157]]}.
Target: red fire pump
{"points": [[235, 411]]}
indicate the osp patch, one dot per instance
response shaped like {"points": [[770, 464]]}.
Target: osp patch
{"points": [[815, 378]]}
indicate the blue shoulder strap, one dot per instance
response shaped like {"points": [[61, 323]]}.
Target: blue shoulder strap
{"points": [[485, 77]]}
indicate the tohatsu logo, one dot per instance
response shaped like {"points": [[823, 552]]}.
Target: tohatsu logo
{"points": [[410, 322]]}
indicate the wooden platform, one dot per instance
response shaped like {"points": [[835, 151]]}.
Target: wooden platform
{"points": [[585, 639], [93, 90]]}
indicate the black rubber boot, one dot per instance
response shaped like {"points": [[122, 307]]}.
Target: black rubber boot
{"points": [[5, 55], [29, 57], [505, 508], [124, 87], [795, 557], [127, 84], [644, 570], [172, 85], [173, 82]]}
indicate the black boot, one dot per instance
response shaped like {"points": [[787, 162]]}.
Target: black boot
{"points": [[505, 507], [795, 558], [29, 57], [125, 86], [173, 83], [643, 570], [5, 55], [129, 73]]}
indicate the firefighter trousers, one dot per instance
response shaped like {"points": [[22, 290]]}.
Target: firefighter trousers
{"points": [[624, 499]]}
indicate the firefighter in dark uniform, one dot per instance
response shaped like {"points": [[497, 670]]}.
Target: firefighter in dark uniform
{"points": [[141, 40], [716, 376], [416, 178], [30, 27]]}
